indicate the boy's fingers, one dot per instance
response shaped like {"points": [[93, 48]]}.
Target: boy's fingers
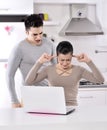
{"points": [[54, 56]]}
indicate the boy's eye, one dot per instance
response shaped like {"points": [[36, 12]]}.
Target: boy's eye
{"points": [[38, 34], [34, 34]]}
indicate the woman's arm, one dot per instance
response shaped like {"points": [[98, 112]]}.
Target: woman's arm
{"points": [[94, 75]]}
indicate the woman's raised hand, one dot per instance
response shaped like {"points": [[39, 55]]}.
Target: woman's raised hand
{"points": [[82, 58]]}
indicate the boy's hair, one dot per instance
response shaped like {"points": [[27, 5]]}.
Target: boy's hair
{"points": [[64, 47], [33, 20]]}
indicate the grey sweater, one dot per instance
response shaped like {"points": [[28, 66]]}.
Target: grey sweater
{"points": [[24, 56], [70, 83]]}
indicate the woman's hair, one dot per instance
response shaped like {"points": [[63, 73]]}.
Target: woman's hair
{"points": [[33, 20], [64, 47]]}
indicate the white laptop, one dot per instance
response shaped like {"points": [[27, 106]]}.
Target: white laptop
{"points": [[44, 100]]}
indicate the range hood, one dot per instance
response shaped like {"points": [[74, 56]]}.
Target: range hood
{"points": [[79, 24]]}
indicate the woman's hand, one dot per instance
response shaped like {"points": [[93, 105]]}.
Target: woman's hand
{"points": [[82, 58], [45, 58]]}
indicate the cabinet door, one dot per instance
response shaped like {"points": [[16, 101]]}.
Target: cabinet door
{"points": [[106, 97], [90, 97], [16, 7]]}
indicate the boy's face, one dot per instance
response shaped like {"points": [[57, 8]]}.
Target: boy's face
{"points": [[34, 35]]}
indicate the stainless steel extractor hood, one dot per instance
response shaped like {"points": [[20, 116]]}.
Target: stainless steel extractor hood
{"points": [[80, 25]]}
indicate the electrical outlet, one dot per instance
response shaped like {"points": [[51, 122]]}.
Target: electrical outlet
{"points": [[79, 10]]}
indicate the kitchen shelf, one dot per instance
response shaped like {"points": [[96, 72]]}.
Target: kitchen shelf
{"points": [[51, 23], [66, 1]]}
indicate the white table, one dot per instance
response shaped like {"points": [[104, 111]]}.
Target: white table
{"points": [[91, 118]]}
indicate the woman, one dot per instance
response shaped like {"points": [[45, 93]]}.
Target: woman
{"points": [[64, 73]]}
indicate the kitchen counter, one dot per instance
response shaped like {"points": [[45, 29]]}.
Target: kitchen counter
{"points": [[93, 86], [83, 118], [88, 84]]}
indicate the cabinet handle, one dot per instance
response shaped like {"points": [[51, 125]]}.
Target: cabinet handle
{"points": [[87, 97]]}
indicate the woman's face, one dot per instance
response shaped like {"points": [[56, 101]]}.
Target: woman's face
{"points": [[64, 60]]}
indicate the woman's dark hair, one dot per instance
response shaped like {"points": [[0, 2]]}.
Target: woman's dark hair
{"points": [[33, 20], [64, 47]]}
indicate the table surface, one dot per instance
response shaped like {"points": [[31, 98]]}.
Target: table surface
{"points": [[83, 118]]}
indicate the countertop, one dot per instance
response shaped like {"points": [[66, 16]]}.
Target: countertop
{"points": [[93, 86], [83, 118]]}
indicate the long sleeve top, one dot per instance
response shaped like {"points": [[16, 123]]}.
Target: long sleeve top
{"points": [[70, 82], [23, 57]]}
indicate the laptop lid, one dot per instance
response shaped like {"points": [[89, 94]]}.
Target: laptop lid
{"points": [[50, 100]]}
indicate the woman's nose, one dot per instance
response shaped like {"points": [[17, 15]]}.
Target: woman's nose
{"points": [[65, 62]]}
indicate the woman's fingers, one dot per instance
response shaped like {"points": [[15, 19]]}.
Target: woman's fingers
{"points": [[82, 57], [78, 56]]}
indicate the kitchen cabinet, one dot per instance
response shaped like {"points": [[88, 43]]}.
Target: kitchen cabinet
{"points": [[16, 7], [92, 96]]}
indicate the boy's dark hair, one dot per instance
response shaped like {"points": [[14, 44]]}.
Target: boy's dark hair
{"points": [[64, 47], [33, 20]]}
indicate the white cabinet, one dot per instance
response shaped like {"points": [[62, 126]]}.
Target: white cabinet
{"points": [[92, 96], [16, 7]]}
